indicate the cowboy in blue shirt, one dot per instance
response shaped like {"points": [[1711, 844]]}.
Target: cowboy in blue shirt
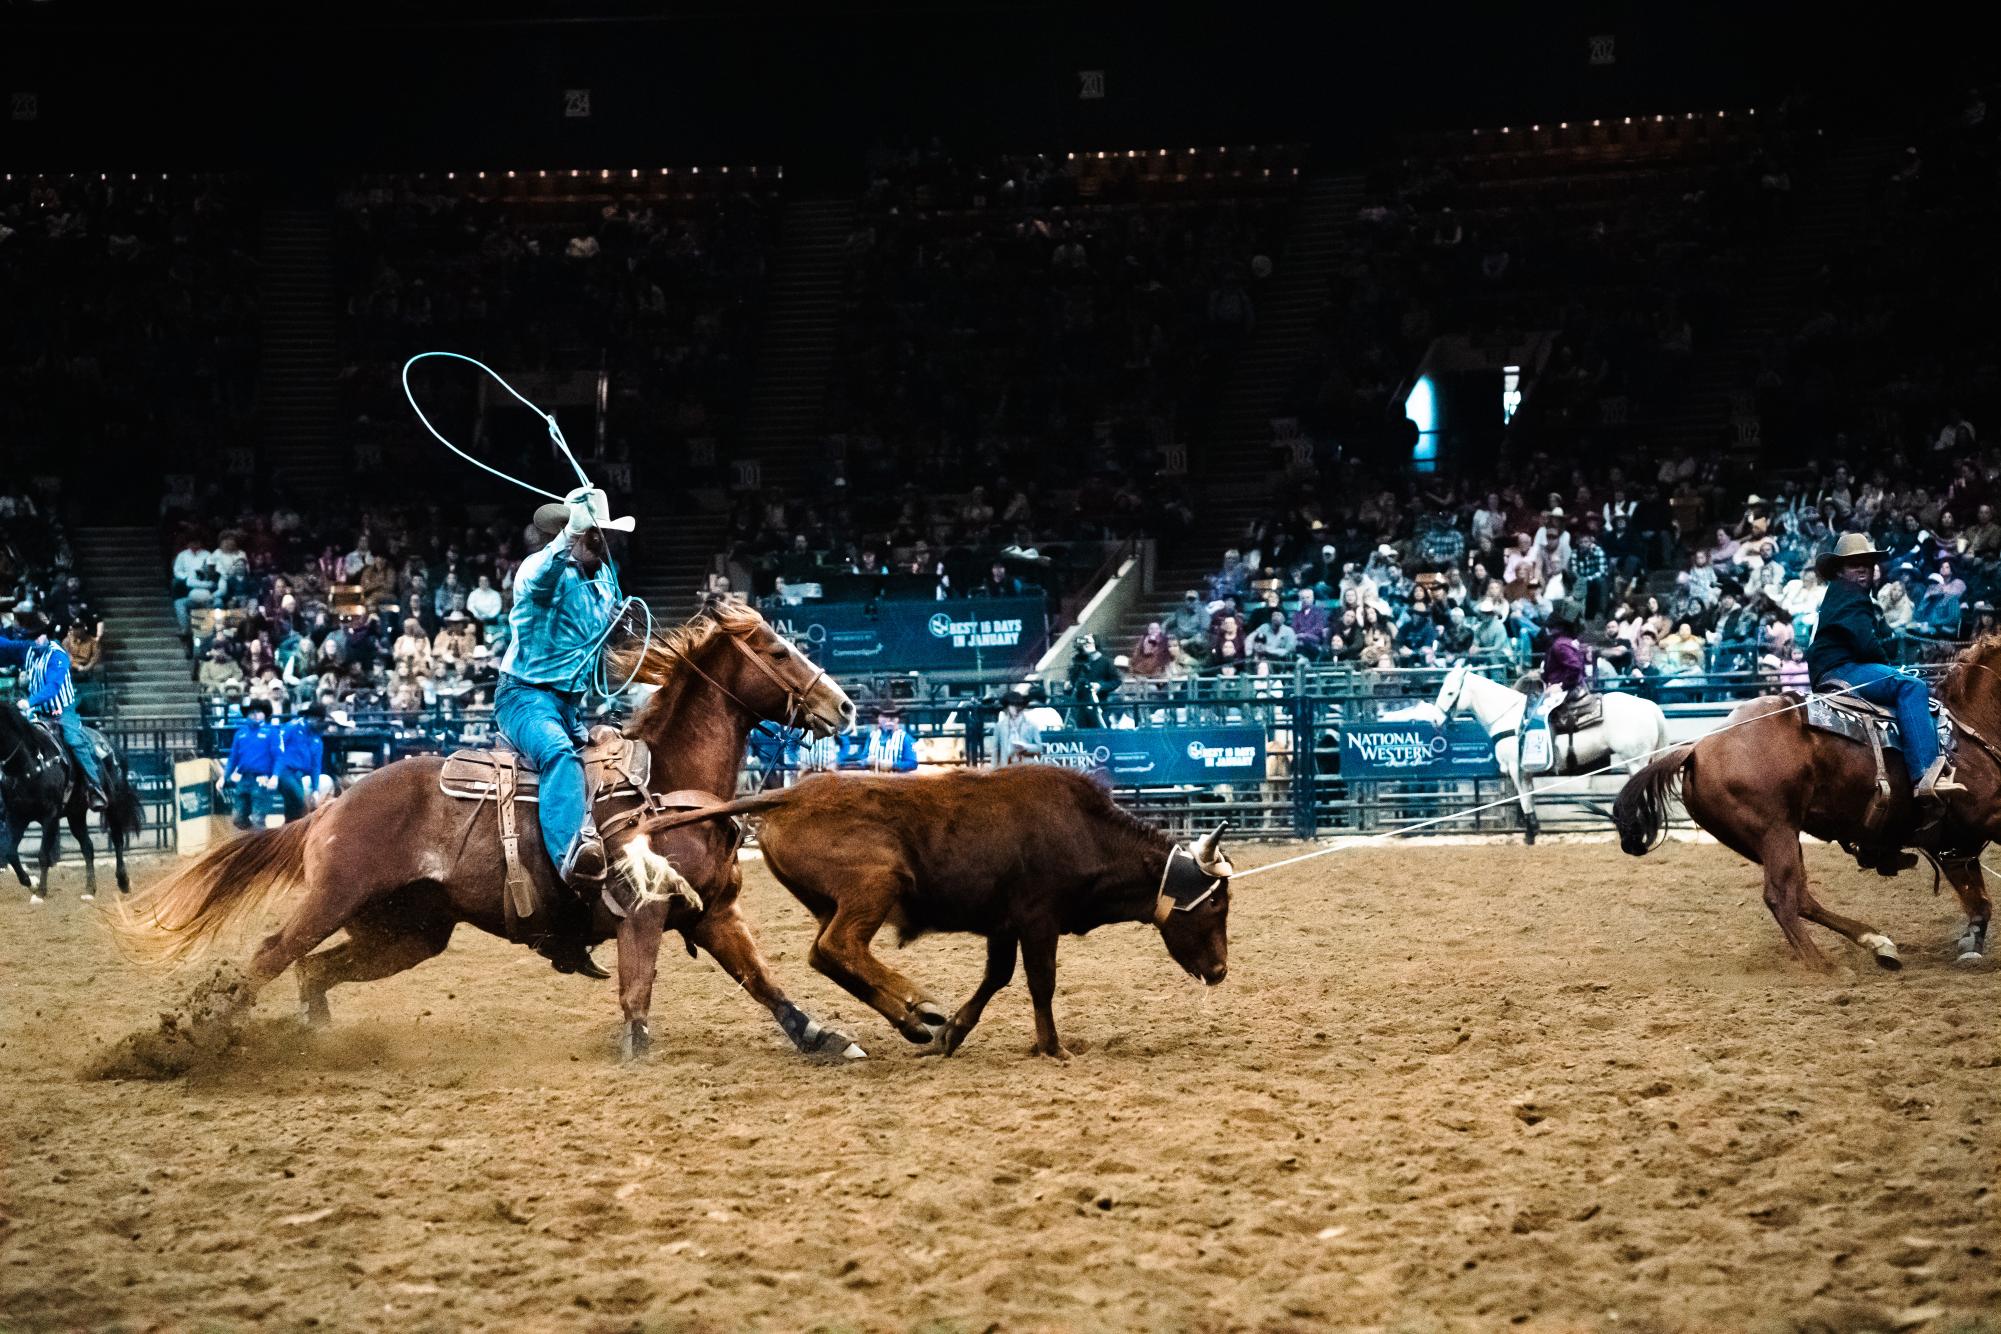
{"points": [[566, 600], [51, 692], [301, 758], [885, 749], [253, 758], [1852, 647]]}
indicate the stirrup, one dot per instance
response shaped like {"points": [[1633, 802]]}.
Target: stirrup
{"points": [[1939, 782], [585, 866]]}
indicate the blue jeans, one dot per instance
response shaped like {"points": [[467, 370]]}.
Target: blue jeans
{"points": [[79, 746], [290, 790], [1907, 696], [542, 725]]}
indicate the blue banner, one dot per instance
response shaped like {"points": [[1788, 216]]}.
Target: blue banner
{"points": [[1162, 756], [977, 634], [1416, 750]]}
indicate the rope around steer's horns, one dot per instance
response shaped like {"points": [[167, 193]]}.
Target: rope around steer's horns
{"points": [[1559, 784], [549, 418]]}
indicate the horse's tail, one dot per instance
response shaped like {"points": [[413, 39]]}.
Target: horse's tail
{"points": [[752, 805], [124, 816], [1641, 810], [179, 918]]}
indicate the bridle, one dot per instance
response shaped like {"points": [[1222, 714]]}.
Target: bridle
{"points": [[1463, 672], [795, 695]]}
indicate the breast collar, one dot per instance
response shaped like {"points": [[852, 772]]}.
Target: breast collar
{"points": [[1184, 885]]}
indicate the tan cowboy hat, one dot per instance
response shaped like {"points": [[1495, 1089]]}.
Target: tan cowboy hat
{"points": [[1852, 546]]}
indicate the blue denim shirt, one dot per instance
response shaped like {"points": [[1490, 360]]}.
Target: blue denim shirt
{"points": [[558, 619]]}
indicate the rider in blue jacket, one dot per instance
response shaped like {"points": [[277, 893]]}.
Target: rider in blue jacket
{"points": [[51, 692], [566, 600]]}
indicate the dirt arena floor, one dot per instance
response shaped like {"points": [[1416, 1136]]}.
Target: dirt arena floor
{"points": [[1445, 1088]]}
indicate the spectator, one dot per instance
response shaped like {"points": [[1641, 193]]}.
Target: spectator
{"points": [[887, 747], [1017, 738], [1152, 657], [1274, 641]]}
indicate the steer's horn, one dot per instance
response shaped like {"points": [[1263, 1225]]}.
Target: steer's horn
{"points": [[1208, 852]]}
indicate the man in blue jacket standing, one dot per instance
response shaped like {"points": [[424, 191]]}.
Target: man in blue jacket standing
{"points": [[1852, 647], [300, 759], [51, 692], [253, 760]]}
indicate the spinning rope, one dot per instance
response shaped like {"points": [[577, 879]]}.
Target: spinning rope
{"points": [[631, 604]]}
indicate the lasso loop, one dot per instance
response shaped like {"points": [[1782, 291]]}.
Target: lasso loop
{"points": [[549, 418]]}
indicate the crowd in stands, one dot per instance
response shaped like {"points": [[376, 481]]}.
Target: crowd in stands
{"points": [[1674, 573], [1623, 242], [375, 609], [1890, 349], [130, 329], [1024, 339], [38, 570], [656, 280]]}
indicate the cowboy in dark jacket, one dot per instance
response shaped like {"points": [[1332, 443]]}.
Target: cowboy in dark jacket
{"points": [[1851, 648]]}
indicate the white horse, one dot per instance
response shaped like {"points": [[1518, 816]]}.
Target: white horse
{"points": [[1633, 729]]}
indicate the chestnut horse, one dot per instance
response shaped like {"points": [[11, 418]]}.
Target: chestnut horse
{"points": [[1766, 777], [399, 864]]}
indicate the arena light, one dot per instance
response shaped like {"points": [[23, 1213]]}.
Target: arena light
{"points": [[1101, 155], [604, 173], [1752, 112], [1535, 129], [482, 176], [510, 175], [726, 170], [635, 173], [1594, 124], [1629, 120], [1163, 152], [1504, 129], [1071, 156], [1131, 154], [573, 173], [450, 175]]}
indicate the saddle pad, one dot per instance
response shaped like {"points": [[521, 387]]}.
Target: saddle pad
{"points": [[611, 760], [1855, 719]]}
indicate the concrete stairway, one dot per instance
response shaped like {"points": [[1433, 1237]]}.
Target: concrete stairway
{"points": [[1829, 212], [1229, 508], [801, 329], [144, 662], [674, 550], [1286, 309], [297, 394]]}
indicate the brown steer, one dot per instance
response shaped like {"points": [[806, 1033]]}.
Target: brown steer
{"points": [[1018, 855]]}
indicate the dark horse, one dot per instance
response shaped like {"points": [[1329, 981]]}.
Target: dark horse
{"points": [[38, 786], [1766, 778], [398, 864], [1020, 855]]}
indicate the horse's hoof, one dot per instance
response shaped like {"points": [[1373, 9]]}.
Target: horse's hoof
{"points": [[634, 1043], [1971, 956], [36, 900], [86, 897], [1885, 950]]}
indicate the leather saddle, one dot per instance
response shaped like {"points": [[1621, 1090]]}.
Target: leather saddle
{"points": [[615, 766], [617, 769], [1577, 713], [1856, 719], [56, 751], [612, 762]]}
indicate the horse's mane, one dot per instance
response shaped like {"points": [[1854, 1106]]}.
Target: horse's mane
{"points": [[1976, 654], [657, 658]]}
